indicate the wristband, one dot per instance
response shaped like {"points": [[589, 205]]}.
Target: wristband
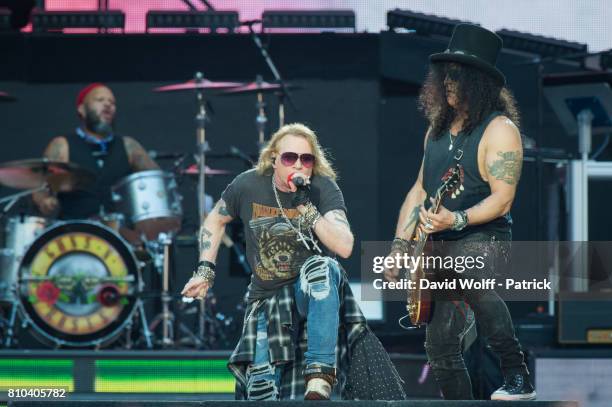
{"points": [[460, 222], [401, 245], [207, 264]]}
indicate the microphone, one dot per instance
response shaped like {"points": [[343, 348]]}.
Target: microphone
{"points": [[298, 181]]}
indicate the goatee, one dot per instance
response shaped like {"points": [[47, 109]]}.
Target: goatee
{"points": [[95, 124]]}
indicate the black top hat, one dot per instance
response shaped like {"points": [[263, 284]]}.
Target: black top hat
{"points": [[475, 46]]}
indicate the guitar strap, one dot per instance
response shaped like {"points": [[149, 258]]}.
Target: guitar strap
{"points": [[454, 158], [458, 151]]}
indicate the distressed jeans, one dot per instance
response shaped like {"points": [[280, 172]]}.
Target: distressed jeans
{"points": [[317, 301], [445, 331]]}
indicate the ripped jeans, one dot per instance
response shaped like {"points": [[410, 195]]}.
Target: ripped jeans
{"points": [[317, 301]]}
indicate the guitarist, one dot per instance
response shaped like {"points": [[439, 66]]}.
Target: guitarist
{"points": [[473, 122]]}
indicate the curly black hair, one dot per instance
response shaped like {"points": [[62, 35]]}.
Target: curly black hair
{"points": [[479, 95]]}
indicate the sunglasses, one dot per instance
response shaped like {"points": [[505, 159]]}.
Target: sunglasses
{"points": [[288, 159]]}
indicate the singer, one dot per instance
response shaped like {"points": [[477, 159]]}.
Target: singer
{"points": [[473, 124], [295, 220], [93, 145]]}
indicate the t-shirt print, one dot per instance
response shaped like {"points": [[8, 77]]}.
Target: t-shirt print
{"points": [[280, 253]]}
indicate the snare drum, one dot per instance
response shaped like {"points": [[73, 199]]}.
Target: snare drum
{"points": [[79, 284], [151, 202], [20, 232]]}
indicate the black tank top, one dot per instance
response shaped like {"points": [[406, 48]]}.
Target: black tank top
{"points": [[109, 168], [438, 159]]}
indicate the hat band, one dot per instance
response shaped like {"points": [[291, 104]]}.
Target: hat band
{"points": [[448, 51]]}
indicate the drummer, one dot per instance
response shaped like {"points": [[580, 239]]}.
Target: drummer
{"points": [[94, 146]]}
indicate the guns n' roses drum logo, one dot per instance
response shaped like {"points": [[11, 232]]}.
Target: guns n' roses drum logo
{"points": [[77, 283]]}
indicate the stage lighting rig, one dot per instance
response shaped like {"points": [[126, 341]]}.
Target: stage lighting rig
{"points": [[193, 19], [308, 19], [540, 45], [422, 24], [58, 20]]}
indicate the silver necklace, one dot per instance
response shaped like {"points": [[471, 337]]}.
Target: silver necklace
{"points": [[298, 230], [450, 137]]}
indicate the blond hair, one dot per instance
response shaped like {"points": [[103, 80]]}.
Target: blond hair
{"points": [[322, 165]]}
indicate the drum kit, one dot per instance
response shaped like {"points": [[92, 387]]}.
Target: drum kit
{"points": [[79, 283]]}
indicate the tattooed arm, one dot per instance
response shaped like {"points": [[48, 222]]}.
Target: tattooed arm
{"points": [[409, 213], [212, 231], [503, 163], [335, 232], [209, 238], [57, 150], [137, 156]]}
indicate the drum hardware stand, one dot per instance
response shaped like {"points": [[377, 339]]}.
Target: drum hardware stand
{"points": [[197, 342], [281, 108], [146, 332], [128, 336], [13, 199], [215, 321], [202, 146], [261, 118], [145, 326], [10, 322], [284, 91], [161, 262], [160, 252]]}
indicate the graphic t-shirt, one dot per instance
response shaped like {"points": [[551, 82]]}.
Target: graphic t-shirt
{"points": [[273, 250]]}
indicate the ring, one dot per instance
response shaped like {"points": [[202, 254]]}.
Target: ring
{"points": [[429, 226]]}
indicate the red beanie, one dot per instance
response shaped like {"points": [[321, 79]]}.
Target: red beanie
{"points": [[85, 91]]}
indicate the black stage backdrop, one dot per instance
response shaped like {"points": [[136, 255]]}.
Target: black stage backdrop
{"points": [[358, 92]]}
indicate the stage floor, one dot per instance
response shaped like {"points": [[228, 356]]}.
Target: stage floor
{"points": [[407, 403]]}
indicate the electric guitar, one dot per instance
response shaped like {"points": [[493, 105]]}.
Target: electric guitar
{"points": [[420, 306]]}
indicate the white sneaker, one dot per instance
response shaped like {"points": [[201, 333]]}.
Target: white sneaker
{"points": [[516, 387], [318, 389]]}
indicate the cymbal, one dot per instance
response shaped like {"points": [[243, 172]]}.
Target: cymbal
{"points": [[257, 87], [34, 173], [194, 170], [191, 84], [5, 97]]}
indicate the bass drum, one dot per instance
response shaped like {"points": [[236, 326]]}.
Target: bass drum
{"points": [[79, 284]]}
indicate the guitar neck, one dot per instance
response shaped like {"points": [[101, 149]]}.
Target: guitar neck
{"points": [[420, 237]]}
